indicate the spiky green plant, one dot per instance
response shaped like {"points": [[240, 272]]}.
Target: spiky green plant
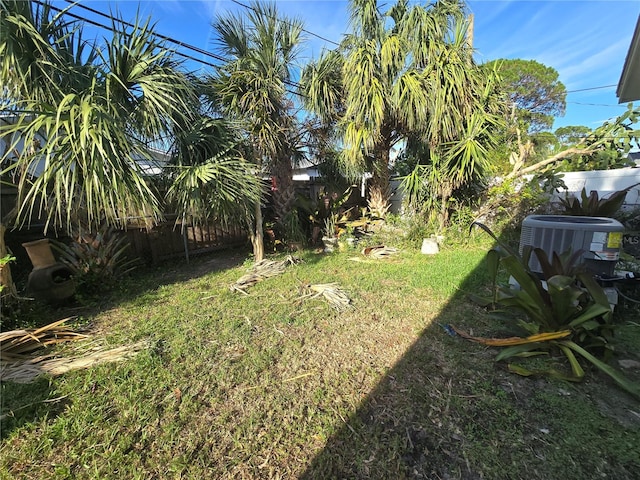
{"points": [[592, 205], [564, 300], [97, 259]]}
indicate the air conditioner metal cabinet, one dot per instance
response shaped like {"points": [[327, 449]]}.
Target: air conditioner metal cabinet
{"points": [[598, 238]]}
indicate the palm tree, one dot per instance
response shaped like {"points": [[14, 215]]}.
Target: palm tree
{"points": [[209, 178], [251, 88], [405, 73], [97, 109]]}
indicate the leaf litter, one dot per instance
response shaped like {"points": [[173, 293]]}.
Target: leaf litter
{"points": [[21, 363]]}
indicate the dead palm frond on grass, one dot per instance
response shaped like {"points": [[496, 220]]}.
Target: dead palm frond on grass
{"points": [[21, 363], [28, 369], [16, 345], [262, 270], [332, 292], [379, 251]]}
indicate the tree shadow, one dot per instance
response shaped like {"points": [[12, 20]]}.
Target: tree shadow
{"points": [[25, 403], [446, 402], [407, 424]]}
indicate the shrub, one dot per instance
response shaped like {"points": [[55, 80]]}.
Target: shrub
{"points": [[97, 259]]}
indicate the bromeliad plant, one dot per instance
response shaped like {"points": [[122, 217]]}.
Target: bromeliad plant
{"points": [[97, 258], [592, 205], [565, 309]]}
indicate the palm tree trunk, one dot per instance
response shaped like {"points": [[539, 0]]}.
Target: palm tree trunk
{"points": [[7, 286], [284, 193], [380, 192], [257, 239]]}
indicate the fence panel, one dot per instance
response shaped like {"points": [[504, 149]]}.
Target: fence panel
{"points": [[170, 240]]}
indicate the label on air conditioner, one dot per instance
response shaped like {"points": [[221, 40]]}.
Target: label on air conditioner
{"points": [[599, 237], [608, 255], [614, 240], [596, 247]]}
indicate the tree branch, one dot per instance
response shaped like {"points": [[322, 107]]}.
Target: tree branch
{"points": [[557, 157]]}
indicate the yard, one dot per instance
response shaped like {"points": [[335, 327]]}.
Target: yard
{"points": [[272, 385]]}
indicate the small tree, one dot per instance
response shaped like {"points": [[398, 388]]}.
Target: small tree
{"points": [[251, 89]]}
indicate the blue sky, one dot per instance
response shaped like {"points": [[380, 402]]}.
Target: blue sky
{"points": [[585, 41]]}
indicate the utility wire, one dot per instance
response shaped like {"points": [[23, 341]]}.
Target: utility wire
{"points": [[591, 88], [159, 35], [288, 23], [106, 27], [598, 104], [218, 57]]}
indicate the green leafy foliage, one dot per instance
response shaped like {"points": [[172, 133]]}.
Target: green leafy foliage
{"points": [[606, 147], [592, 205], [4, 262], [84, 114], [565, 297], [97, 258], [329, 204], [535, 90], [571, 135]]}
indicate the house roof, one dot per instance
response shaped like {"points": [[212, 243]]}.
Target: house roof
{"points": [[629, 84]]}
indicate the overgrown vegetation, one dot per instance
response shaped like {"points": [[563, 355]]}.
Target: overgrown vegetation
{"points": [[564, 309]]}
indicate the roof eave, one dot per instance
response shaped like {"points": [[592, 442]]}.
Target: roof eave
{"points": [[629, 85]]}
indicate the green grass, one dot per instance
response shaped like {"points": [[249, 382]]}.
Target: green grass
{"points": [[267, 386]]}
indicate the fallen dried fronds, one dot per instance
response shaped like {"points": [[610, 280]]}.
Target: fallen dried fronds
{"points": [[261, 270], [505, 342], [27, 370], [16, 344], [379, 251], [331, 292]]}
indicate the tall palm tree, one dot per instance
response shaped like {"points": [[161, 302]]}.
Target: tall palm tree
{"points": [[97, 109], [251, 87], [403, 73]]}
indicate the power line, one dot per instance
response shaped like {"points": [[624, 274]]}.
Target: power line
{"points": [[598, 104], [106, 27], [592, 88], [159, 35], [213, 55], [288, 23]]}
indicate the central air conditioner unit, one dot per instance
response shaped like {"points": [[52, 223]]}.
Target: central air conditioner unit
{"points": [[598, 238]]}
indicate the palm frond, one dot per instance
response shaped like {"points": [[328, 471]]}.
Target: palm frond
{"points": [[223, 187]]}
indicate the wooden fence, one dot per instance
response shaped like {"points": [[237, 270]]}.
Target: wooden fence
{"points": [[169, 240]]}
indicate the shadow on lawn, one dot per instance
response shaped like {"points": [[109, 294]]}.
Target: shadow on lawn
{"points": [[21, 404], [392, 432], [446, 401]]}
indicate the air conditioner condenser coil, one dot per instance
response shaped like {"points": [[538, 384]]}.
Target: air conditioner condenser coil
{"points": [[599, 238]]}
